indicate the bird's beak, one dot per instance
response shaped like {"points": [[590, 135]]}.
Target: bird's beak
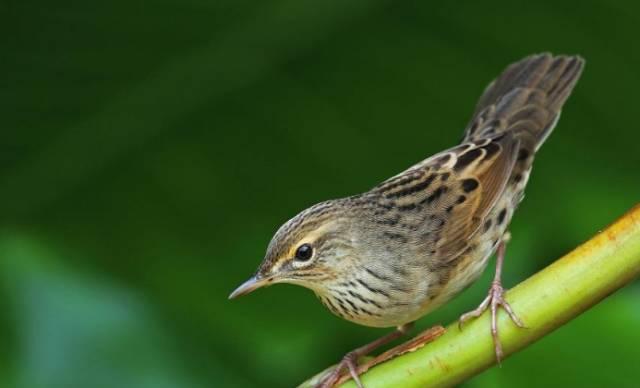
{"points": [[252, 284]]}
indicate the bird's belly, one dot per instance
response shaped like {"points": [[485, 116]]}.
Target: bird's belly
{"points": [[467, 272], [421, 294]]}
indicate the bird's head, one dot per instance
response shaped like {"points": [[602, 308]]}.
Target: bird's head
{"points": [[311, 250]]}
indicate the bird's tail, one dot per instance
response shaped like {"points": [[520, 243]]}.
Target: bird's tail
{"points": [[526, 99]]}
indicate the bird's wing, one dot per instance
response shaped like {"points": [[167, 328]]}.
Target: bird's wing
{"points": [[445, 198]]}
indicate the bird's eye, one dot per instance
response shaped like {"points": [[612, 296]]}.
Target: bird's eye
{"points": [[304, 252]]}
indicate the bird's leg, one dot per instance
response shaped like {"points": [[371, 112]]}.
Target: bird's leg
{"points": [[350, 360], [494, 300], [413, 344]]}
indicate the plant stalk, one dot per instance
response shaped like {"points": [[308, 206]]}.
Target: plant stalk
{"points": [[544, 302]]}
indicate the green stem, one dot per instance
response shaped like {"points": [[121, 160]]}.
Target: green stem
{"points": [[545, 301]]}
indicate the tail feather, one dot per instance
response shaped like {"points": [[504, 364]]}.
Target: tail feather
{"points": [[526, 99]]}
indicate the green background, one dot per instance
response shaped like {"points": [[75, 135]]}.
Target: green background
{"points": [[149, 150]]}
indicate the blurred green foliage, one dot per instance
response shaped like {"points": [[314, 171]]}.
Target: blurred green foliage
{"points": [[150, 149]]}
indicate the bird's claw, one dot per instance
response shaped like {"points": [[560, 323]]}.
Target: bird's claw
{"points": [[494, 300], [349, 361]]}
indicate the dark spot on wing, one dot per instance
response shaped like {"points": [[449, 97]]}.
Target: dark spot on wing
{"points": [[501, 216], [412, 189], [468, 185], [523, 154], [491, 149], [467, 158]]}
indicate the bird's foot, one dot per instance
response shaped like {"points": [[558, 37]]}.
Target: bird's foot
{"points": [[494, 300], [413, 344], [350, 362]]}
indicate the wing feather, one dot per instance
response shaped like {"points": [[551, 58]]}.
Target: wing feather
{"points": [[446, 197]]}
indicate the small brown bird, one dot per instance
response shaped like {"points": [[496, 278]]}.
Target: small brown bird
{"points": [[389, 256]]}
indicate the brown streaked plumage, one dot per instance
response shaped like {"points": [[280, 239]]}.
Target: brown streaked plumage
{"points": [[387, 257]]}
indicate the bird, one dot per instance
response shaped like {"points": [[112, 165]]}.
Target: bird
{"points": [[387, 257]]}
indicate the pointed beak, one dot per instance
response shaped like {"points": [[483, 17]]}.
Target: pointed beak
{"points": [[250, 285]]}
